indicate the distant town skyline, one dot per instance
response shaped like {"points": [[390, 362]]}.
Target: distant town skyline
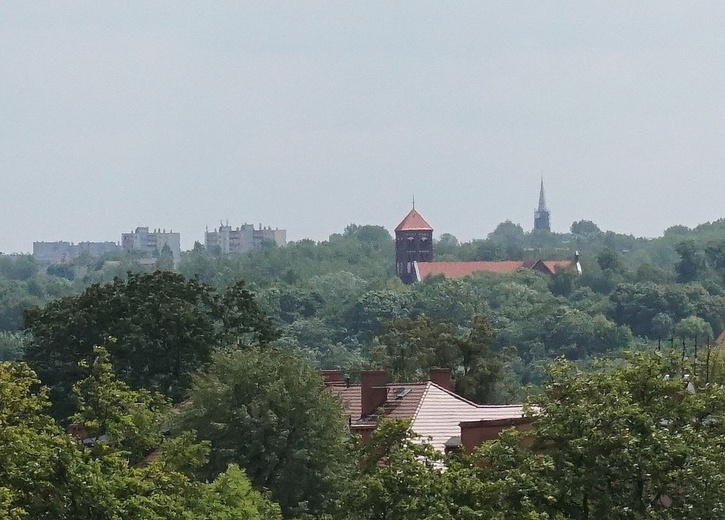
{"points": [[315, 115]]}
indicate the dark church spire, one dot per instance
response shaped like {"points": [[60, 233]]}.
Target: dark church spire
{"points": [[541, 215], [542, 198]]}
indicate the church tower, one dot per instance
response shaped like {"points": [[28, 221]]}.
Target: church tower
{"points": [[413, 243], [541, 215]]}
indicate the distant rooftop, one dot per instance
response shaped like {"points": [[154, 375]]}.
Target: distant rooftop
{"points": [[413, 221]]}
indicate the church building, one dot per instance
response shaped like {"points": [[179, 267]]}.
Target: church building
{"points": [[414, 252], [413, 244]]}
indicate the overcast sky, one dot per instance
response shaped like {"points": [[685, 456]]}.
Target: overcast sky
{"points": [[309, 116]]}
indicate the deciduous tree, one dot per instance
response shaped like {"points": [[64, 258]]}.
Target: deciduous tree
{"points": [[267, 411], [165, 328]]}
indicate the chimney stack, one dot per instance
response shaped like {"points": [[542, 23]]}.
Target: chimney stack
{"points": [[373, 391], [441, 377]]}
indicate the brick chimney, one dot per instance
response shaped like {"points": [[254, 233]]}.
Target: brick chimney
{"points": [[331, 376], [441, 377], [373, 392]]}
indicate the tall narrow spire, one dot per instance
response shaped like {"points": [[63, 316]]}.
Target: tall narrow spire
{"points": [[541, 215], [542, 197]]}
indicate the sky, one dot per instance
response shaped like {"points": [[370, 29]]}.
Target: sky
{"points": [[309, 116]]}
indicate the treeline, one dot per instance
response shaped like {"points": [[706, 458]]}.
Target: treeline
{"points": [[160, 397], [330, 300]]}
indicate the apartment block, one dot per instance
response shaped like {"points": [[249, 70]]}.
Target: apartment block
{"points": [[229, 240], [61, 252], [150, 243]]}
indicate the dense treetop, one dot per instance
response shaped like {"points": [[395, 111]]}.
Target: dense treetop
{"points": [[203, 400]]}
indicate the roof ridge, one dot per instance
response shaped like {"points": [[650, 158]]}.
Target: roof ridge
{"points": [[453, 394], [420, 402]]}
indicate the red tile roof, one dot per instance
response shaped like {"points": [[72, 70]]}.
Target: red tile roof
{"points": [[459, 269], [553, 265], [351, 397], [413, 222]]}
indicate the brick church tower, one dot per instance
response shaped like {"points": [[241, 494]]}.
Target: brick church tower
{"points": [[413, 243]]}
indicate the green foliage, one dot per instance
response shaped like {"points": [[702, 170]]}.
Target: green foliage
{"points": [[62, 271], [584, 227], [693, 328], [408, 349], [620, 442], [231, 497], [266, 411], [12, 346], [367, 316], [397, 478], [45, 473], [365, 251], [21, 267], [578, 335], [165, 259], [110, 414], [639, 305], [166, 327], [692, 262]]}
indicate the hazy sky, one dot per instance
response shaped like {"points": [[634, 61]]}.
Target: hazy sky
{"points": [[312, 115]]}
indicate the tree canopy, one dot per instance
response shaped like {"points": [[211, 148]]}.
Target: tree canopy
{"points": [[47, 473], [266, 411], [163, 326]]}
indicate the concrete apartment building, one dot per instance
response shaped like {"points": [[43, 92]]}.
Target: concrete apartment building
{"points": [[151, 243], [61, 252], [228, 240]]}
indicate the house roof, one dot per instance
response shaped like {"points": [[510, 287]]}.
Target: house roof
{"points": [[435, 412], [440, 413], [553, 265], [413, 221], [460, 269]]}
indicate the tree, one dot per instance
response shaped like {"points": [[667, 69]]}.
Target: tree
{"points": [[266, 411], [692, 264], [20, 267], [447, 244], [374, 308], [694, 328], [46, 473], [368, 233], [165, 259], [585, 228], [578, 335], [409, 348], [397, 478], [480, 368], [66, 271], [608, 260], [11, 346], [166, 327], [637, 305], [231, 496], [112, 414], [621, 442], [508, 232]]}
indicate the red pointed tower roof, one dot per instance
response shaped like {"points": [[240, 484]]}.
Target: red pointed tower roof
{"points": [[413, 222]]}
